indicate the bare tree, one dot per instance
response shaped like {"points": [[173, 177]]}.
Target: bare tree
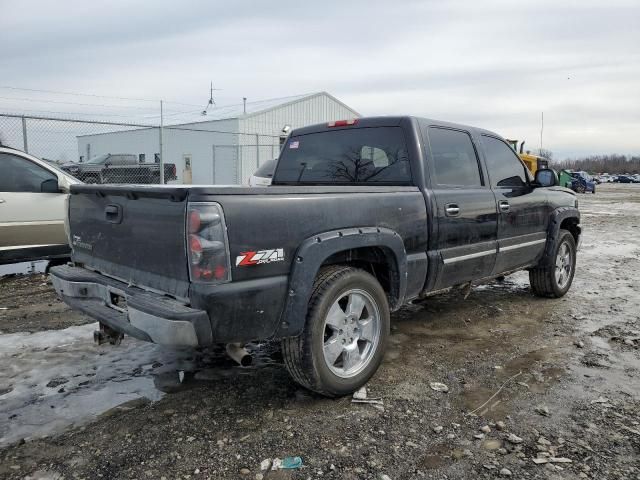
{"points": [[353, 168], [548, 154], [611, 163]]}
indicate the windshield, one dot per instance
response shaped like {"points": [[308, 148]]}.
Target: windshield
{"points": [[55, 167], [266, 169], [376, 155], [98, 159]]}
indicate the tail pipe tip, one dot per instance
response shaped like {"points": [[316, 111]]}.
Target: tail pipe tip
{"points": [[239, 354]]}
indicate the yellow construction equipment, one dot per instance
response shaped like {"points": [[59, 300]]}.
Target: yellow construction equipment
{"points": [[533, 162]]}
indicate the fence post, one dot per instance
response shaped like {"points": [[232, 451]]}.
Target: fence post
{"points": [[161, 147], [238, 172], [257, 151], [25, 143], [213, 165]]}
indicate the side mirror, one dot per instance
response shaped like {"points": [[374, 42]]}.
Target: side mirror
{"points": [[545, 177], [50, 186]]}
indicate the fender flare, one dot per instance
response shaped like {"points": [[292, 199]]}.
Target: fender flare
{"points": [[557, 217], [315, 250]]}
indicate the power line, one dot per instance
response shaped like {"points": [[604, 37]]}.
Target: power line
{"points": [[79, 113], [77, 94], [57, 92], [74, 103]]}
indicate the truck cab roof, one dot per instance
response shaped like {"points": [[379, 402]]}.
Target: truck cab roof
{"points": [[390, 121]]}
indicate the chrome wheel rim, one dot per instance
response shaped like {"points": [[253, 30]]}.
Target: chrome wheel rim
{"points": [[564, 264], [351, 333]]}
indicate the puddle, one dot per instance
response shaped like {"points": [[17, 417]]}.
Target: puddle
{"points": [[23, 268], [55, 379]]}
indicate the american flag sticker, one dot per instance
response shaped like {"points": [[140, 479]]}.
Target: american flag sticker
{"points": [[295, 144]]}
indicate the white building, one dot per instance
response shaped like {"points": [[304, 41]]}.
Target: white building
{"points": [[225, 146]]}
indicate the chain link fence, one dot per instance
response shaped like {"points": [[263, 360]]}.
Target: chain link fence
{"points": [[110, 152]]}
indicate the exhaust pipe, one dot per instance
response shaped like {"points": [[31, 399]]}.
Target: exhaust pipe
{"points": [[239, 354]]}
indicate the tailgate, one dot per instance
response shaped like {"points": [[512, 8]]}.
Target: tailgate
{"points": [[132, 233]]}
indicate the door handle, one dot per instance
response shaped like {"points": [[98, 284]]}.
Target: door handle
{"points": [[452, 210], [504, 205], [2, 200]]}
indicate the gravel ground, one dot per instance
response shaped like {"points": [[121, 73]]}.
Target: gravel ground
{"points": [[28, 303], [536, 388]]}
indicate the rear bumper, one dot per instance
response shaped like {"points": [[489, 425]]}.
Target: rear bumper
{"points": [[148, 316]]}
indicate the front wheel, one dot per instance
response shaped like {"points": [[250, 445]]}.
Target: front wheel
{"points": [[554, 279], [345, 334]]}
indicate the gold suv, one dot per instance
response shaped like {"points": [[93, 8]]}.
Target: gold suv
{"points": [[33, 196]]}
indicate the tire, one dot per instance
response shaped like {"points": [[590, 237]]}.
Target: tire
{"points": [[594, 190], [335, 290], [580, 189], [546, 281]]}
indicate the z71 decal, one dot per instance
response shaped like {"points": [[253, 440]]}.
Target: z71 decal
{"points": [[247, 259]]}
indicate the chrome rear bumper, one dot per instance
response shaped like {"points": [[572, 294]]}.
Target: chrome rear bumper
{"points": [[148, 316]]}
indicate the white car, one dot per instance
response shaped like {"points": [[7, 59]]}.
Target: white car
{"points": [[263, 175], [33, 196]]}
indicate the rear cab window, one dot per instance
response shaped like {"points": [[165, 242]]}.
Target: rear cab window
{"points": [[354, 156]]}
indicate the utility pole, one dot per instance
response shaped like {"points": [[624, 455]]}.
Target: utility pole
{"points": [[541, 130], [161, 146]]}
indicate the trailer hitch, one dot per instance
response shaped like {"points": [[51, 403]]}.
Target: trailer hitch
{"points": [[106, 334]]}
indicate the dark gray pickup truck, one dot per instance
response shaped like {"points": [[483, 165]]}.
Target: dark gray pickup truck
{"points": [[119, 168], [363, 216]]}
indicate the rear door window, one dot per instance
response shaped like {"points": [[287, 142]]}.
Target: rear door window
{"points": [[376, 155], [454, 158], [505, 167]]}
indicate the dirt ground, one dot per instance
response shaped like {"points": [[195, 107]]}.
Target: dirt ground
{"points": [[536, 388]]}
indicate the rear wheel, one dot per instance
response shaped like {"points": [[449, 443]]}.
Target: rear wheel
{"points": [[345, 334], [555, 278]]}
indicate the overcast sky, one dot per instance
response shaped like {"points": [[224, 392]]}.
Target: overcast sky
{"points": [[493, 64]]}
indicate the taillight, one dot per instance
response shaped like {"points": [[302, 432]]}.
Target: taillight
{"points": [[343, 123], [207, 247]]}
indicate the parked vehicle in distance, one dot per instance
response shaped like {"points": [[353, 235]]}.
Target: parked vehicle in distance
{"points": [[119, 168], [624, 179], [33, 195], [263, 175], [582, 182], [362, 217]]}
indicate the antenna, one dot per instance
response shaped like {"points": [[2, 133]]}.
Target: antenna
{"points": [[211, 100]]}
